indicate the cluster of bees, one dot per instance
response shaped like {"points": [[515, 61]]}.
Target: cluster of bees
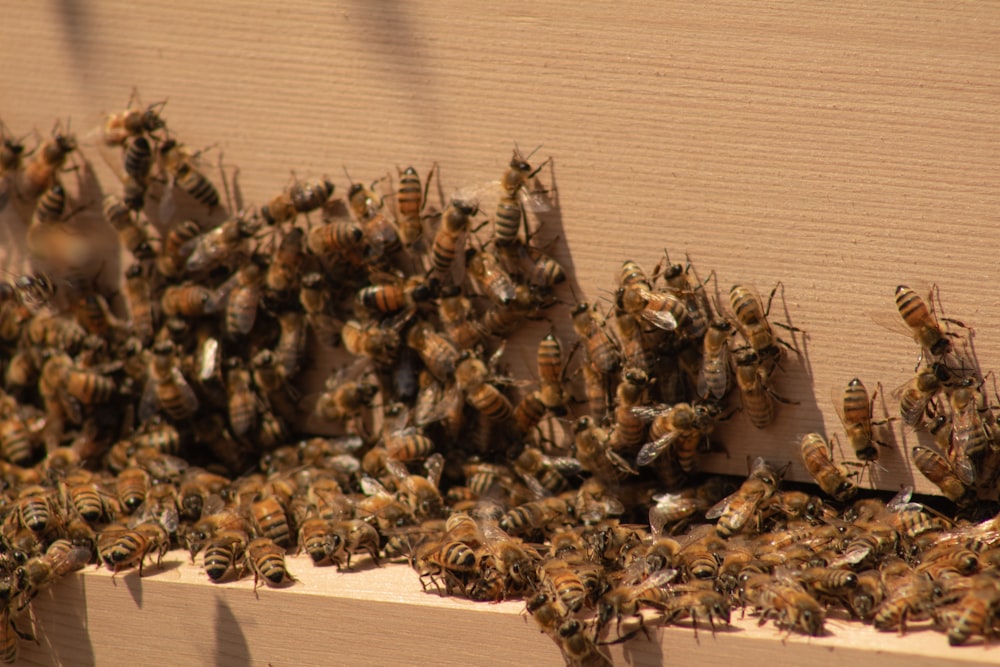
{"points": [[164, 411]]}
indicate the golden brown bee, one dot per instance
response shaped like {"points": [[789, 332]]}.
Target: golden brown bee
{"points": [[698, 605], [179, 165], [630, 428], [316, 538], [559, 577], [970, 437], [138, 295], [536, 515], [300, 197], [132, 485], [38, 174], [337, 238], [242, 294], [937, 469], [602, 352], [713, 375], [352, 536], [132, 122], [507, 221], [489, 277], [551, 375], [757, 397], [394, 295], [137, 161], [270, 520], [975, 613], [916, 395], [224, 552], [167, 390], [923, 325], [35, 509], [51, 206], [680, 429], [786, 602], [73, 387], [270, 379], [316, 300], [410, 201], [187, 300], [290, 348], [226, 245], [626, 600], [11, 155], [457, 320], [438, 354], [449, 239], [450, 561], [286, 265], [910, 599], [90, 501], [267, 561], [579, 647], [16, 440], [751, 320], [132, 547], [131, 232], [529, 412], [831, 478], [40, 572], [736, 511], [379, 343], [472, 378], [344, 399], [595, 453], [176, 248], [855, 411]]}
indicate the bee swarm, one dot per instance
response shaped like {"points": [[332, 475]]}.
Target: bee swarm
{"points": [[165, 413]]}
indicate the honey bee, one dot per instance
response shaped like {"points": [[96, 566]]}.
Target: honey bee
{"points": [[602, 352], [713, 375], [595, 453], [456, 315], [735, 511], [831, 478], [410, 201], [975, 613], [40, 572], [567, 587], [970, 437], [551, 376], [379, 343], [50, 207], [300, 197], [784, 600], [578, 647], [38, 174], [226, 245], [855, 411], [34, 509], [751, 320], [489, 277], [134, 545], [9, 634], [916, 395], [242, 294], [73, 387], [337, 238], [131, 232], [90, 501], [449, 239], [344, 400], [394, 294], [267, 561], [910, 599], [937, 469], [757, 397], [270, 379], [351, 536], [270, 520], [680, 429], [167, 389], [449, 561], [188, 300], [698, 605], [923, 325], [285, 268], [176, 248], [472, 378], [438, 354], [16, 440], [626, 600], [178, 163], [132, 122], [223, 553], [507, 221], [316, 300], [629, 427]]}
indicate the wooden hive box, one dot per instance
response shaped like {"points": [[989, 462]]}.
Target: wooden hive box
{"points": [[842, 150]]}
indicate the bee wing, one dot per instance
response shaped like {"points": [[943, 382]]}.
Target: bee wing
{"points": [[837, 398], [658, 579], [720, 508], [66, 562], [653, 449], [396, 468], [149, 405], [912, 414], [620, 464], [372, 487], [901, 500], [535, 201], [434, 465], [189, 398], [964, 468], [650, 412], [660, 319], [168, 203], [534, 486], [566, 465]]}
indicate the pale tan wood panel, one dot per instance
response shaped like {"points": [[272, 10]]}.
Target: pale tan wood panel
{"points": [[842, 150], [381, 616]]}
